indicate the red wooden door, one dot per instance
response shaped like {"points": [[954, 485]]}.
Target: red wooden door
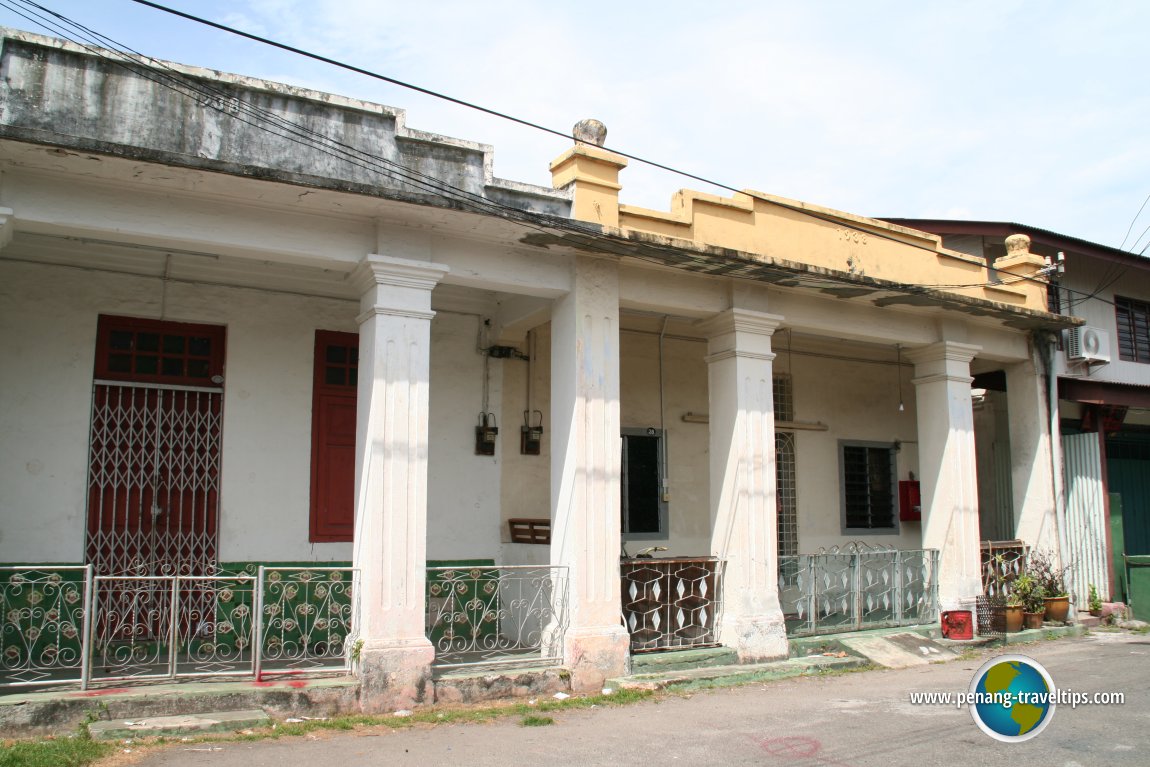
{"points": [[333, 436], [154, 458]]}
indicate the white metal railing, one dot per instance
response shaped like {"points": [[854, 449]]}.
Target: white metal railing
{"points": [[68, 625], [858, 586], [496, 615]]}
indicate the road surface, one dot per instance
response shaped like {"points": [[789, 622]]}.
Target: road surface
{"points": [[851, 720]]}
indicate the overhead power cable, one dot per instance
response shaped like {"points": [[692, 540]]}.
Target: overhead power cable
{"points": [[166, 76]]}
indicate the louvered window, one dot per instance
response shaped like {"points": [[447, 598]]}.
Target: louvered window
{"points": [[1133, 319], [867, 486]]}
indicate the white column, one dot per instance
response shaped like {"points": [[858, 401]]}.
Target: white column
{"points": [[744, 514], [1030, 467], [947, 465], [390, 547], [585, 458]]}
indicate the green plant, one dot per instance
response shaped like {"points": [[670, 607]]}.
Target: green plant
{"points": [[1050, 577], [536, 721], [1094, 602], [1029, 592]]}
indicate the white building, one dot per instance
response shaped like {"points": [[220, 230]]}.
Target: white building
{"points": [[188, 258]]}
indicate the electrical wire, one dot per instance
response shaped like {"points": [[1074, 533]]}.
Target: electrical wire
{"points": [[518, 120], [1134, 221], [225, 103]]}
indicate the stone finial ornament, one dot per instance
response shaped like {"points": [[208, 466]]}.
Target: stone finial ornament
{"points": [[590, 132], [1017, 245]]}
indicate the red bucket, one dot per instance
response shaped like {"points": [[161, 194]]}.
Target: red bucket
{"points": [[957, 624]]}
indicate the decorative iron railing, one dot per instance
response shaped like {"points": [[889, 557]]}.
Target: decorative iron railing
{"points": [[1002, 562], [489, 615], [68, 625], [672, 603], [45, 630], [856, 586]]}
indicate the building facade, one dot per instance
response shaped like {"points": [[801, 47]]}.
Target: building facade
{"points": [[253, 329]]}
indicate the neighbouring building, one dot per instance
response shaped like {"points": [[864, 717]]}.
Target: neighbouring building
{"points": [[1103, 374], [289, 384]]}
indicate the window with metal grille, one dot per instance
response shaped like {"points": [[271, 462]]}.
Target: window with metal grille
{"points": [[1133, 318], [784, 398], [868, 501], [786, 500]]}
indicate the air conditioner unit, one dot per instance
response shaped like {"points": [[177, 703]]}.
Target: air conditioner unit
{"points": [[1087, 344]]}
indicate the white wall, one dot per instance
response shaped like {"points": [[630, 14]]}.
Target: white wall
{"points": [[1084, 276], [48, 321], [858, 401], [463, 489]]}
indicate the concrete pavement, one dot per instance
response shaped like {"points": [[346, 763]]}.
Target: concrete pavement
{"points": [[850, 720]]}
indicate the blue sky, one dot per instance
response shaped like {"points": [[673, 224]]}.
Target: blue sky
{"points": [[1035, 112]]}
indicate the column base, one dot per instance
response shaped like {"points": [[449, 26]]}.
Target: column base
{"points": [[395, 675], [756, 637], [594, 655], [956, 594]]}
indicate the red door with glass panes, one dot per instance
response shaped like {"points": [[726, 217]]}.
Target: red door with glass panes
{"points": [[336, 369], [154, 457]]}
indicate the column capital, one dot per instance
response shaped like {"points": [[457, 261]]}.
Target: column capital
{"points": [[375, 270], [943, 361], [740, 321], [943, 351], [393, 286]]}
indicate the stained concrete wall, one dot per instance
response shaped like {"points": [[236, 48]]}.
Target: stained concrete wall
{"points": [[856, 400], [48, 321], [59, 93]]}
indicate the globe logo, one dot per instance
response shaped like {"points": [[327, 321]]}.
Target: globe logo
{"points": [[1012, 698]]}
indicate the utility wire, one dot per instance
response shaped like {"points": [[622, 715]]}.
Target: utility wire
{"points": [[1133, 221], [294, 132]]}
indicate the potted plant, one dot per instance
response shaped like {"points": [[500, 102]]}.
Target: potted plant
{"points": [[1095, 602], [1028, 591], [1051, 580], [1013, 613]]}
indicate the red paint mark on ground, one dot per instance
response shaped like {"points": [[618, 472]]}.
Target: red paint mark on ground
{"points": [[791, 747], [96, 693], [263, 684], [297, 683], [796, 748]]}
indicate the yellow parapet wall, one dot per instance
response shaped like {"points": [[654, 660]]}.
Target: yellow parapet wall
{"points": [[770, 229]]}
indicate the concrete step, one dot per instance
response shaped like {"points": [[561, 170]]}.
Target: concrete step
{"points": [[26, 712], [899, 650], [736, 674], [182, 724], [678, 660], [804, 646]]}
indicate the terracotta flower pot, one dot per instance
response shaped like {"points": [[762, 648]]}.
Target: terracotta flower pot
{"points": [[1013, 618], [1032, 620], [1057, 608]]}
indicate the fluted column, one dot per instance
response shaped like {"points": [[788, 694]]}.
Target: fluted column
{"points": [[743, 494], [947, 466], [585, 469], [390, 547]]}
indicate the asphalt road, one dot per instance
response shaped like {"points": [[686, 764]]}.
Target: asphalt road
{"points": [[852, 720]]}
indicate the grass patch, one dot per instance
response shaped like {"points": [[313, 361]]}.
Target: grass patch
{"points": [[536, 721], [65, 752]]}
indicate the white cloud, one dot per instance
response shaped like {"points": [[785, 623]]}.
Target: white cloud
{"points": [[998, 110]]}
